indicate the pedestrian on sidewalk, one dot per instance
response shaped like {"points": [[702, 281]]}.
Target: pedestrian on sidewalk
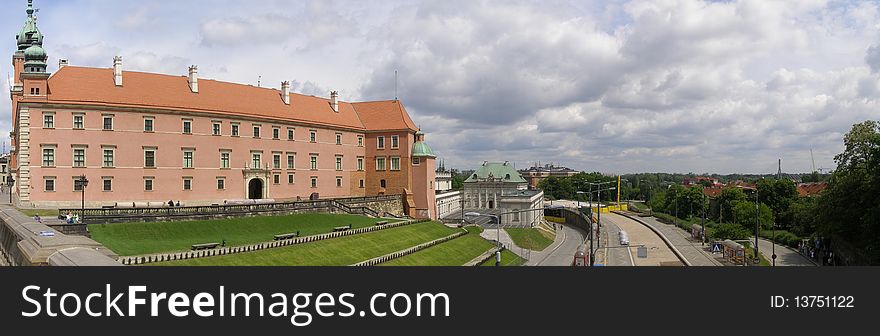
{"points": [[38, 219]]}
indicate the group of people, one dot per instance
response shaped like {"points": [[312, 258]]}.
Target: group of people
{"points": [[171, 204], [69, 218]]}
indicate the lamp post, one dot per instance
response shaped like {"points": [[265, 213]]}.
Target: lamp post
{"points": [[83, 183], [498, 218], [598, 219], [757, 259]]}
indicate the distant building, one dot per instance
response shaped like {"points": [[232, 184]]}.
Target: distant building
{"points": [[811, 189], [538, 173], [443, 179], [698, 181], [4, 169], [499, 186]]}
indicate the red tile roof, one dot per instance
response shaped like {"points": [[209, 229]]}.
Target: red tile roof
{"points": [[811, 189], [95, 86]]}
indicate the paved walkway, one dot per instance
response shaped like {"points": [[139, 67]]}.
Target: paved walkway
{"points": [[693, 251], [785, 256], [561, 252]]}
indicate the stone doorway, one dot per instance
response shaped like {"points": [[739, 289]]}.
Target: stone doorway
{"points": [[255, 189]]}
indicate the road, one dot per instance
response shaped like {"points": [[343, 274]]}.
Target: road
{"points": [[561, 253], [615, 254], [785, 256], [659, 254]]}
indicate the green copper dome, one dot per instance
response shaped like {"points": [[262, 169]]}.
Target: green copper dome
{"points": [[29, 34], [35, 53], [421, 149]]}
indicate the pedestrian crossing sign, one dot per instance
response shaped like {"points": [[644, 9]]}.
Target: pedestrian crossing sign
{"points": [[716, 248]]}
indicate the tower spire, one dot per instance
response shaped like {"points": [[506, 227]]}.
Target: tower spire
{"points": [[30, 8]]}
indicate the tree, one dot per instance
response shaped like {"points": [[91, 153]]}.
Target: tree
{"points": [[778, 194], [726, 201], [658, 202], [457, 180], [730, 231], [744, 214], [848, 209]]}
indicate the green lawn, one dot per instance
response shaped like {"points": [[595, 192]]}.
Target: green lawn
{"points": [[532, 239], [455, 252], [45, 213], [507, 259], [331, 252], [144, 238]]}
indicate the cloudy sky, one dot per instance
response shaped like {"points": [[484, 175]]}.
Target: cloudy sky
{"points": [[610, 86]]}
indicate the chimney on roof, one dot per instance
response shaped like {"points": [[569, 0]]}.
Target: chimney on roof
{"points": [[194, 78], [117, 70], [285, 92], [334, 100], [62, 63]]}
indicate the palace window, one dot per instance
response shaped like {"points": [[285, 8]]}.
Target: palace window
{"points": [[108, 123], [78, 121], [256, 161], [360, 164], [109, 158], [361, 184], [187, 127], [382, 184], [257, 132], [338, 138], [339, 181], [290, 179], [77, 184], [395, 163], [380, 142], [150, 158], [276, 179], [313, 136], [276, 161], [221, 184], [224, 160], [108, 184], [395, 141], [416, 161], [49, 120], [360, 141], [148, 125], [339, 163], [380, 164], [187, 183], [79, 157], [314, 162], [291, 161], [235, 130], [216, 129], [48, 157], [290, 134], [276, 133], [50, 184], [188, 159], [148, 184], [314, 181]]}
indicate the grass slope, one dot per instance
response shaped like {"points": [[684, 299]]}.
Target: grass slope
{"points": [[332, 252], [507, 259], [532, 239], [144, 238], [455, 252]]}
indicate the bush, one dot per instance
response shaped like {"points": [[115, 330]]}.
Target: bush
{"points": [[729, 231], [782, 237]]}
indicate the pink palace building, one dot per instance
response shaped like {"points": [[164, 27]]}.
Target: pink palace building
{"points": [[145, 137]]}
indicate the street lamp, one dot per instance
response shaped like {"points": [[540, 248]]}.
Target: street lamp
{"points": [[497, 217], [598, 218], [83, 183], [757, 259]]}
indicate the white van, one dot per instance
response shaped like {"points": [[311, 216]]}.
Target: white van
{"points": [[624, 238]]}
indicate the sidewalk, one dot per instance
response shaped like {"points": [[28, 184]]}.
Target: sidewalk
{"points": [[693, 251], [786, 256]]}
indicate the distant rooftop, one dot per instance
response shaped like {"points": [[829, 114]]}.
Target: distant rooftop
{"points": [[496, 171]]}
